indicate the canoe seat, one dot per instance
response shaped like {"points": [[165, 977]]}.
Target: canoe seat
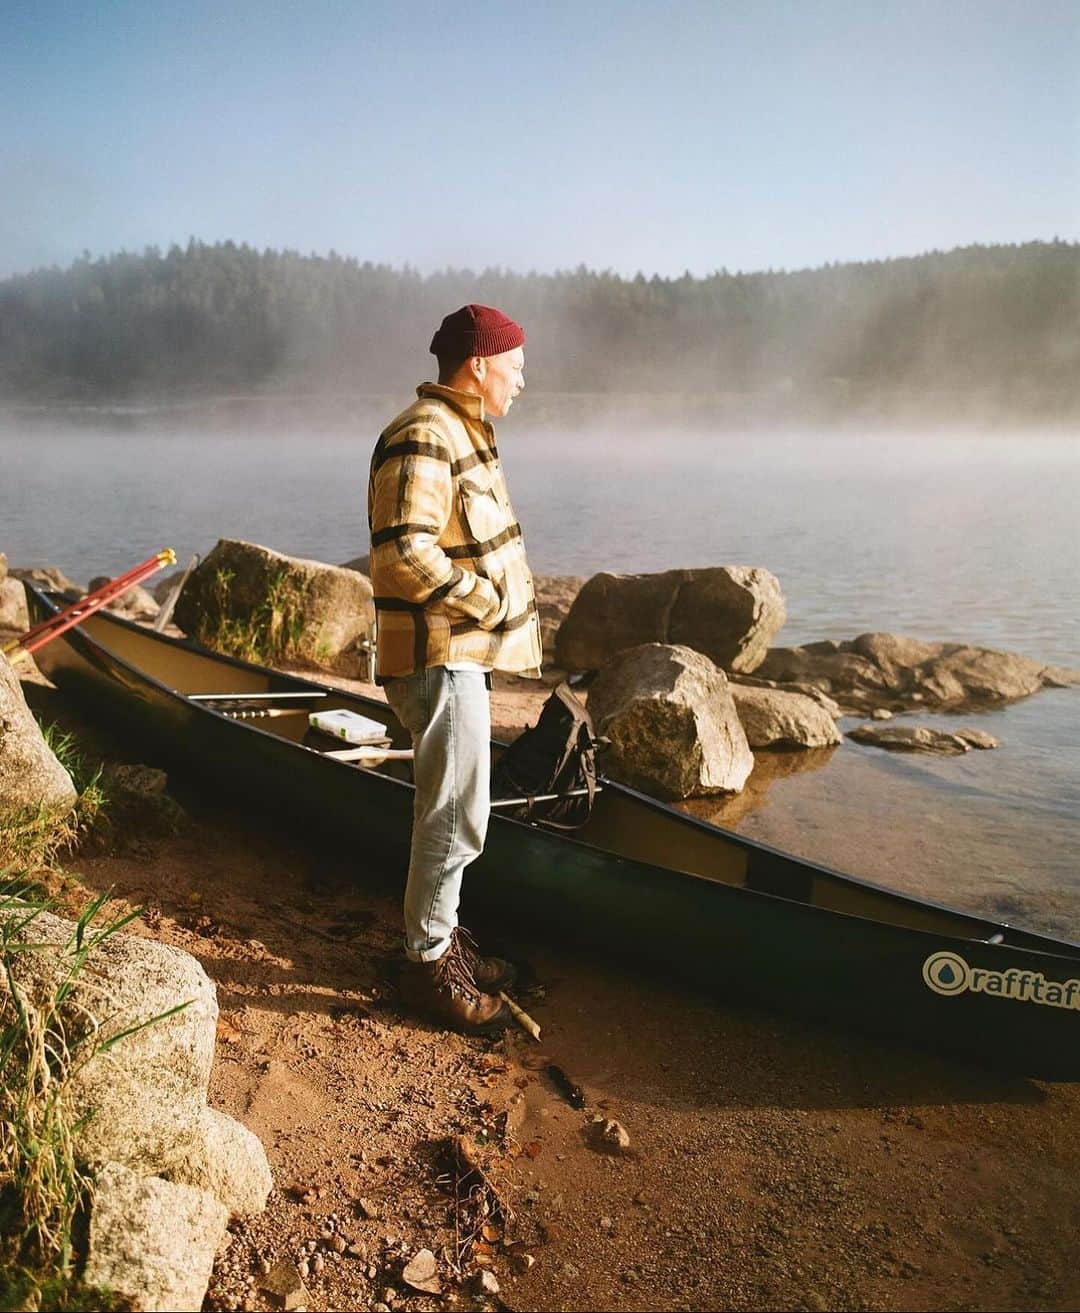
{"points": [[372, 753]]}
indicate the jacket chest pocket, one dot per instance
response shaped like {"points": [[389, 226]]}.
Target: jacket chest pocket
{"points": [[485, 513]]}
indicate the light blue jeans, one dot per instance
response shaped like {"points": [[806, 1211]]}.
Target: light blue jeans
{"points": [[449, 716]]}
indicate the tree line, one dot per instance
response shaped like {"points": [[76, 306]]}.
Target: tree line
{"points": [[998, 322]]}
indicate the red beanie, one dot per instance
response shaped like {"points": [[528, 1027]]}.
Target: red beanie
{"points": [[476, 330]]}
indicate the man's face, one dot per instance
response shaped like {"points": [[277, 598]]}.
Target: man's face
{"points": [[502, 377]]}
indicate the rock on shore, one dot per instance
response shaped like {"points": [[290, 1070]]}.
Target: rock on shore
{"points": [[152, 1240], [672, 722], [137, 603], [49, 577], [774, 718], [888, 671], [922, 738], [728, 613], [30, 775], [169, 1169], [148, 1092], [258, 603], [13, 613]]}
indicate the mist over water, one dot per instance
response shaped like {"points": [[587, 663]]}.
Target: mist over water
{"points": [[970, 537]]}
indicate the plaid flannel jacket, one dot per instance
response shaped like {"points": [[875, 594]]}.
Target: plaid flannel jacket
{"points": [[448, 563]]}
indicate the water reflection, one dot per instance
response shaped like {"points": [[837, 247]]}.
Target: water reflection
{"points": [[875, 817], [769, 767]]}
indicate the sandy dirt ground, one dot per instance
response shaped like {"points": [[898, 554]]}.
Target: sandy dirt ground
{"points": [[771, 1164]]}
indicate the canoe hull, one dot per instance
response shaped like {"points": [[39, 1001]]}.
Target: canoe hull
{"points": [[954, 993]]}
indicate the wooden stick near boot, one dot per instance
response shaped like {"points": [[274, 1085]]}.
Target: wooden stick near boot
{"points": [[521, 1016]]}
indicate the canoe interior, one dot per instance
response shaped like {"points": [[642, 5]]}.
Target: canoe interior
{"points": [[624, 823]]}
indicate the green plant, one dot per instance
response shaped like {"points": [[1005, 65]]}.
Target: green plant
{"points": [[269, 631], [93, 801], [47, 1036], [33, 836], [23, 1288]]}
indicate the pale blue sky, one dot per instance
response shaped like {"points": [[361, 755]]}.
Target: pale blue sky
{"points": [[651, 136]]}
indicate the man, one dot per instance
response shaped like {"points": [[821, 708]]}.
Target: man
{"points": [[454, 600]]}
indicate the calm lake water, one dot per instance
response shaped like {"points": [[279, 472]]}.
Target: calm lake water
{"points": [[973, 538]]}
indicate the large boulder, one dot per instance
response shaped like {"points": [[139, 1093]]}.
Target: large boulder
{"points": [[145, 1096], [256, 603], [773, 718], [146, 1093], [888, 671], [672, 722], [730, 613], [151, 1241], [31, 778], [613, 612]]}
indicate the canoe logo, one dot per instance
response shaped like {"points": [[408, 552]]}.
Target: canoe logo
{"points": [[945, 973], [948, 974]]}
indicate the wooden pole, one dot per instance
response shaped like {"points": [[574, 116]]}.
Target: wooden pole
{"points": [[521, 1016]]}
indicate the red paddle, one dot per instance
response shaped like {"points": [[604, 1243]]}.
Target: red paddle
{"points": [[46, 630]]}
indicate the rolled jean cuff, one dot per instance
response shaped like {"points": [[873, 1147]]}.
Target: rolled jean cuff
{"points": [[427, 954]]}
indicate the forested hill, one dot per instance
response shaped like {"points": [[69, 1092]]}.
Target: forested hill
{"points": [[998, 323]]}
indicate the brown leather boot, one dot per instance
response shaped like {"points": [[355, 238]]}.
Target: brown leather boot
{"points": [[445, 989], [490, 973]]}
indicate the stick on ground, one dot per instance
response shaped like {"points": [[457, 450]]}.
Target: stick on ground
{"points": [[521, 1016]]}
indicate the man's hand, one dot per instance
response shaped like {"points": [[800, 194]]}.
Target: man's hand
{"points": [[477, 597]]}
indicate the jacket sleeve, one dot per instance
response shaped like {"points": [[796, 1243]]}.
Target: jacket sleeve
{"points": [[410, 502]]}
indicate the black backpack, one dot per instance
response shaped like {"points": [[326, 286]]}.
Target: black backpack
{"points": [[556, 756]]}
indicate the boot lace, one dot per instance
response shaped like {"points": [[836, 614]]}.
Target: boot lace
{"points": [[454, 972], [463, 943]]}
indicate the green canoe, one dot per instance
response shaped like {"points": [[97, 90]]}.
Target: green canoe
{"points": [[640, 879]]}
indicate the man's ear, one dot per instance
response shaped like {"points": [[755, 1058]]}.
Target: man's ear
{"points": [[478, 368]]}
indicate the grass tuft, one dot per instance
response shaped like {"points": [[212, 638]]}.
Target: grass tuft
{"points": [[46, 1038], [269, 632], [35, 836]]}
